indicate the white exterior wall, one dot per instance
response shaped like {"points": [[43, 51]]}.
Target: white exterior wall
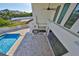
{"points": [[75, 27], [34, 15], [52, 13], [41, 15], [66, 38], [69, 40]]}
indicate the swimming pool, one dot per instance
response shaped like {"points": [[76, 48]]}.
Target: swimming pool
{"points": [[7, 41]]}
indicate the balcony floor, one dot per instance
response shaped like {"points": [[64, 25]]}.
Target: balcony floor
{"points": [[34, 45]]}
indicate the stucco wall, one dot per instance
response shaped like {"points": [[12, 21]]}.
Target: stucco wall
{"points": [[69, 40], [75, 27], [41, 15]]}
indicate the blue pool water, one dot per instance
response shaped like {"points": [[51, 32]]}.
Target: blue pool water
{"points": [[6, 42]]}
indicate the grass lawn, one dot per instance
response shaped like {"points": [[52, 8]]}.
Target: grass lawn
{"points": [[9, 23]]}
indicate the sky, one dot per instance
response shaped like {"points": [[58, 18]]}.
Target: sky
{"points": [[16, 6]]}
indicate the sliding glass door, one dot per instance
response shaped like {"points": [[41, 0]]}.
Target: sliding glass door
{"points": [[63, 12], [73, 17], [57, 11]]}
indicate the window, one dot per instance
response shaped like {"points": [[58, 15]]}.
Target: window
{"points": [[63, 12], [57, 10], [73, 17], [56, 45]]}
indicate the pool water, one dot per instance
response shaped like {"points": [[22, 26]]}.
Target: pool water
{"points": [[7, 41]]}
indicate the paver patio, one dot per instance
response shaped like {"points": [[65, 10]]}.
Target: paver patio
{"points": [[34, 45]]}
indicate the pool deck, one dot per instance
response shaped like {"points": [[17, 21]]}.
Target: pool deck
{"points": [[17, 43], [31, 45], [34, 45]]}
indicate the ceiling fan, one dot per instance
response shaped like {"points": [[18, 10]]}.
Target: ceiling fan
{"points": [[48, 8]]}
